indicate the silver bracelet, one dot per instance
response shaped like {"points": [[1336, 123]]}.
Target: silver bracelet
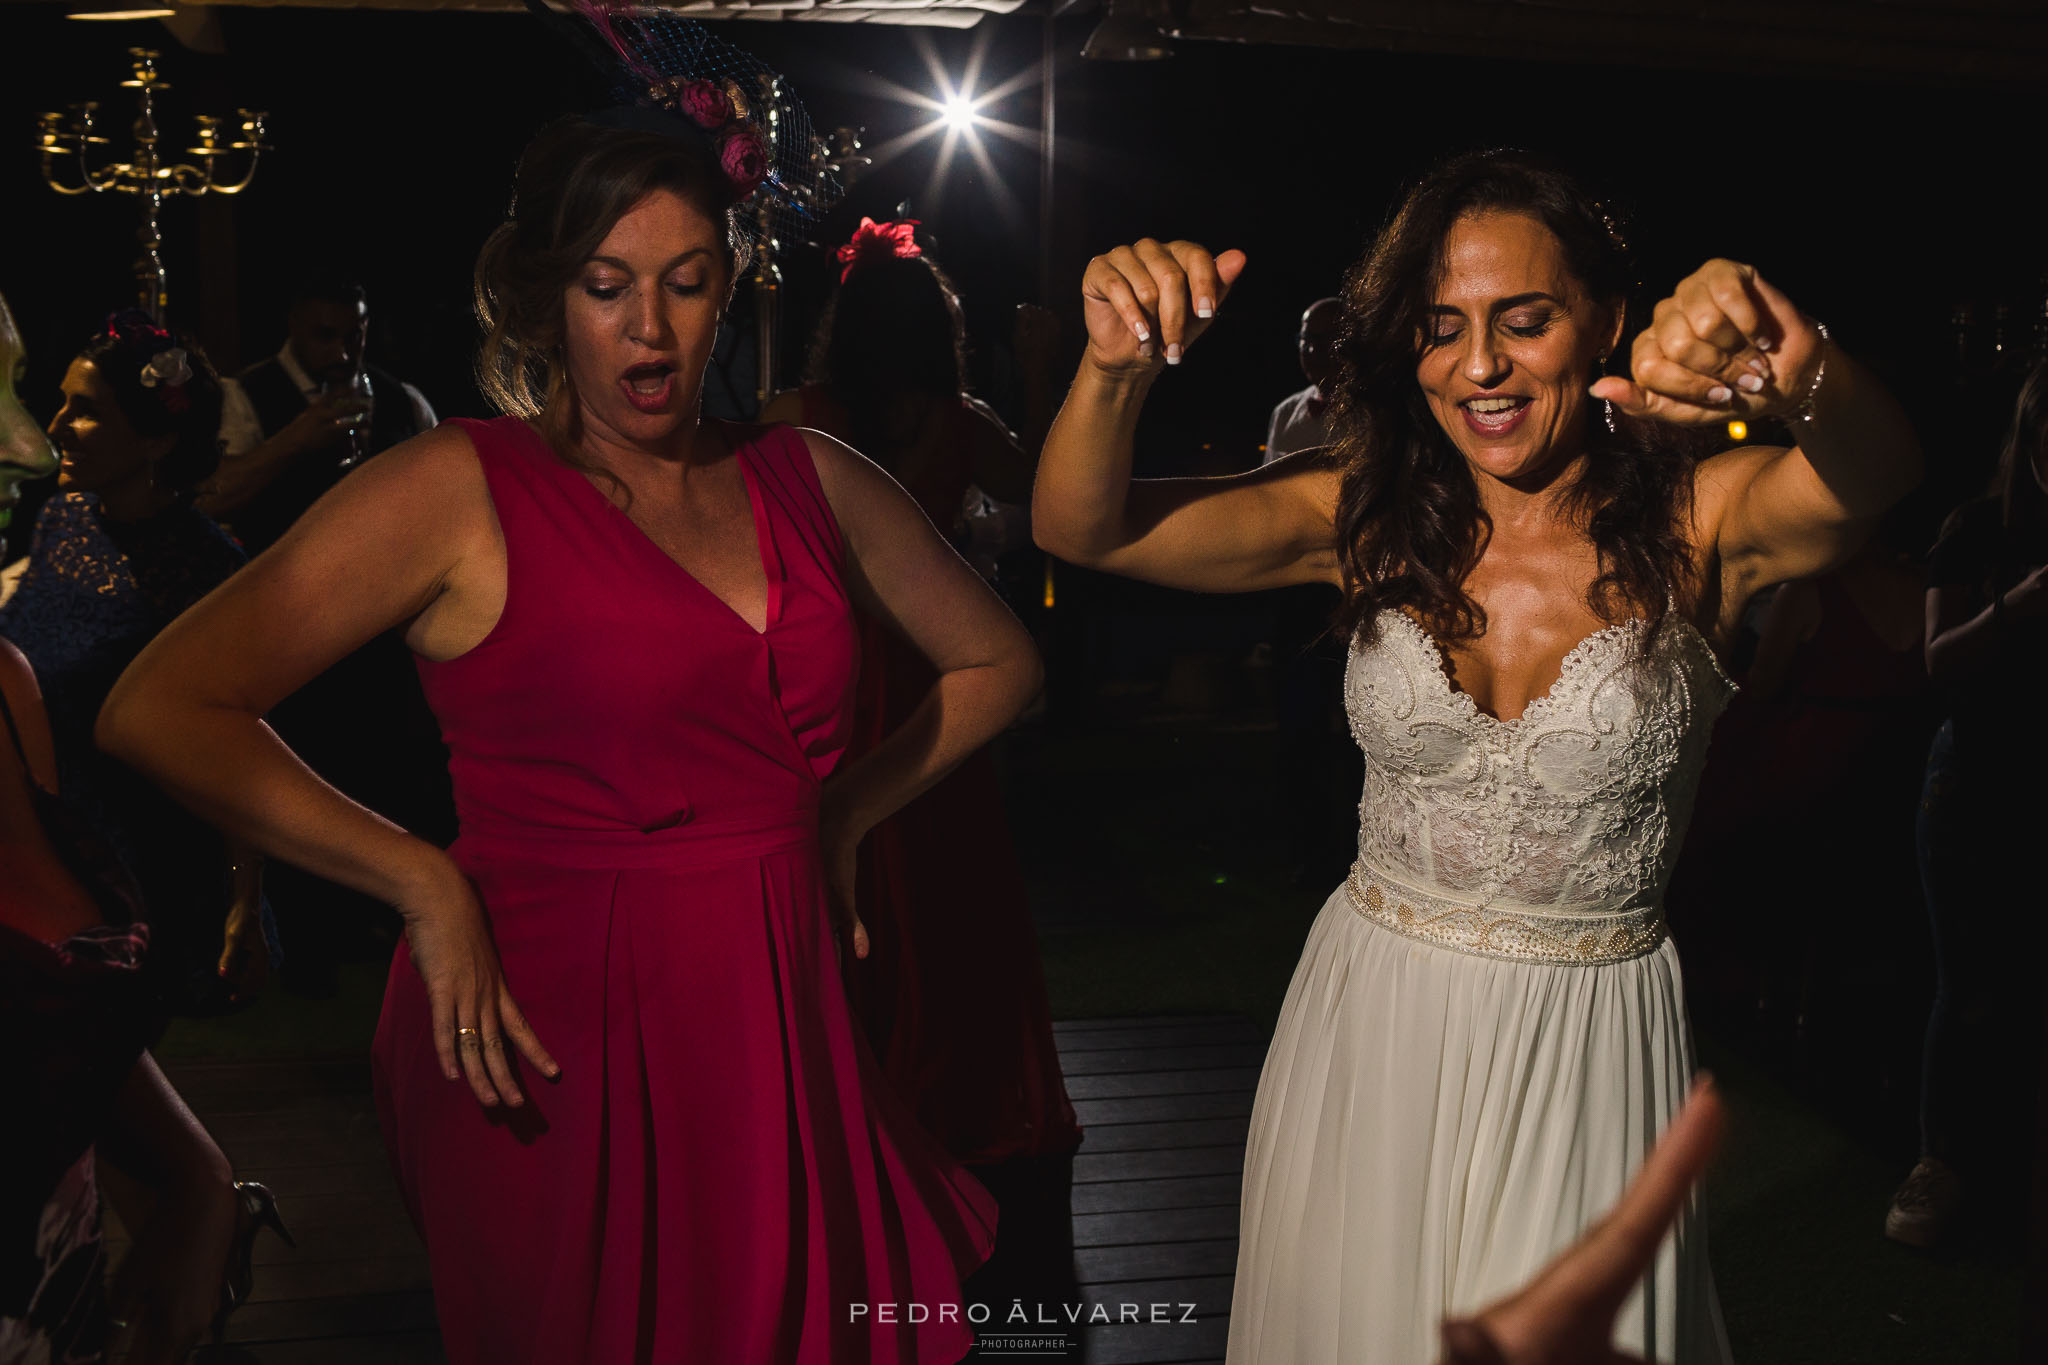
{"points": [[1804, 412]]}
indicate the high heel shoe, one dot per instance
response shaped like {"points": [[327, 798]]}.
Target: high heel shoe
{"points": [[255, 1210]]}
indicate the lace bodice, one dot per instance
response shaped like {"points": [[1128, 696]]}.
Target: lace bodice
{"points": [[1576, 808]]}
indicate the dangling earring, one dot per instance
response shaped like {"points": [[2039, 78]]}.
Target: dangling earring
{"points": [[1606, 408]]}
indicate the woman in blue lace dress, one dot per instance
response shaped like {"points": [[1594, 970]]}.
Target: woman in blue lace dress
{"points": [[117, 554]]}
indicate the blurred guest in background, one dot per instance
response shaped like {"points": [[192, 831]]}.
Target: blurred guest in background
{"points": [[951, 994], [295, 423], [75, 1015], [1807, 800], [1314, 751], [1297, 423], [1980, 824], [118, 553]]}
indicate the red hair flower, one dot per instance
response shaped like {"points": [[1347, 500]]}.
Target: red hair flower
{"points": [[705, 104], [743, 157], [873, 241]]}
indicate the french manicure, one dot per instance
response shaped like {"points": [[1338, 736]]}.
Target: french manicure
{"points": [[1749, 383], [1763, 343], [1173, 353], [1757, 366], [1144, 332], [1145, 351], [1205, 308], [1719, 394]]}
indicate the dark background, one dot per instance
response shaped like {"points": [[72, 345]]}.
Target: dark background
{"points": [[1879, 205]]}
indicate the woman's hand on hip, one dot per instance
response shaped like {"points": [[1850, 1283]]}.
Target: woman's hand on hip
{"points": [[1146, 303], [839, 848], [1725, 344], [475, 1020]]}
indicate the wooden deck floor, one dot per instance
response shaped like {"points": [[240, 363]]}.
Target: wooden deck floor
{"points": [[1165, 1102]]}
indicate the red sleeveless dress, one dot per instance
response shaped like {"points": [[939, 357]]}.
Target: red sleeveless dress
{"points": [[719, 1174]]}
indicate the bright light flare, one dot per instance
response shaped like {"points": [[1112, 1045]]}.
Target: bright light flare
{"points": [[958, 113], [1738, 430], [959, 118]]}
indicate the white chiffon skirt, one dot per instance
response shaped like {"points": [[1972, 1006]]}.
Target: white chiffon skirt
{"points": [[1433, 1126]]}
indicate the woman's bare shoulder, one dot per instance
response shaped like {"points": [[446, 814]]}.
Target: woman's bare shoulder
{"points": [[18, 680]]}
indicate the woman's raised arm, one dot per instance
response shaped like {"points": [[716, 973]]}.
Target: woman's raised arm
{"points": [[1145, 305], [1729, 344]]}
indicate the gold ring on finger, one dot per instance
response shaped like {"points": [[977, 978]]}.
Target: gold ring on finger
{"points": [[469, 1036]]}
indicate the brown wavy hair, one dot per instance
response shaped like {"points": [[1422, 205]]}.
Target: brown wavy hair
{"points": [[576, 179], [1410, 527]]}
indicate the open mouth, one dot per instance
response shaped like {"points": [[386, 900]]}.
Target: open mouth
{"points": [[647, 387], [1494, 414]]}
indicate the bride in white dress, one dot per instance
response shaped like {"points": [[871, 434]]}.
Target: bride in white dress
{"points": [[1487, 1031]]}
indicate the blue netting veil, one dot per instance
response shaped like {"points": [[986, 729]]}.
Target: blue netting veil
{"points": [[670, 74]]}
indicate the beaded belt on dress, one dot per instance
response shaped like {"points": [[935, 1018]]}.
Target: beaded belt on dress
{"points": [[1516, 935]]}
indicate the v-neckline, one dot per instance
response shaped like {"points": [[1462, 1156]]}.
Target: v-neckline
{"points": [[1540, 702], [764, 545]]}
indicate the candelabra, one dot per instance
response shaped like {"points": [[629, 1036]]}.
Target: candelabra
{"points": [[148, 176]]}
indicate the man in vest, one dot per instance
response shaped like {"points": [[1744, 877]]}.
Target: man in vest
{"points": [[286, 421]]}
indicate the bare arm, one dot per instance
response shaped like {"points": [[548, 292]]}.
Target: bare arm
{"points": [[1566, 1314], [1789, 622], [996, 461], [244, 474], [903, 574], [1807, 509], [1269, 528], [1728, 343], [1963, 643], [404, 539]]}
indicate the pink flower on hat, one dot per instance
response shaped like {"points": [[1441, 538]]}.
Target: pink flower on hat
{"points": [[743, 157], [705, 104]]}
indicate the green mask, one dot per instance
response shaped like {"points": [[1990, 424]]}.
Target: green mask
{"points": [[25, 452]]}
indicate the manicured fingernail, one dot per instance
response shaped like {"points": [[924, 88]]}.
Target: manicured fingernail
{"points": [[1205, 308], [1719, 394], [1173, 353], [1763, 343], [1145, 351], [1749, 383], [1144, 332], [1757, 366]]}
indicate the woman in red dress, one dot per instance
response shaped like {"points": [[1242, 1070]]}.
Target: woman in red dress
{"points": [[951, 994], [637, 629]]}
